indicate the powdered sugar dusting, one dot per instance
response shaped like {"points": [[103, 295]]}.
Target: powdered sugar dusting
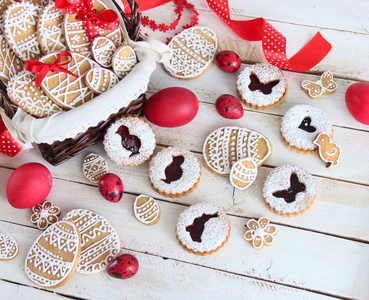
{"points": [[299, 138], [215, 231], [279, 179]]}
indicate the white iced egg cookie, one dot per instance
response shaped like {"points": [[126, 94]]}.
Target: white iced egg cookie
{"points": [[100, 242], [243, 173], [53, 257], [94, 167], [8, 247], [3, 6], [146, 210], [10, 64], [99, 80], [124, 60], [193, 51], [103, 50]]}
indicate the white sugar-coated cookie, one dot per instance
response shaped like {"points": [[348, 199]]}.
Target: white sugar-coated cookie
{"points": [[94, 167], [243, 173], [24, 93], [193, 52], [99, 80], [53, 257], [8, 247], [100, 242], [10, 64], [103, 50], [124, 60], [146, 210], [20, 27]]}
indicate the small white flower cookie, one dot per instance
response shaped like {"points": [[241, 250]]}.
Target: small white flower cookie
{"points": [[260, 233], [45, 214]]}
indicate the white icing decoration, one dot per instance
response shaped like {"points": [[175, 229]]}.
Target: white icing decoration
{"points": [[8, 247], [103, 50], [10, 64], [94, 167], [242, 176], [124, 60], [100, 80], [148, 212], [316, 89], [260, 233]]}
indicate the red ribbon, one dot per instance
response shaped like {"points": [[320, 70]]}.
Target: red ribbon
{"points": [[42, 69], [107, 19]]}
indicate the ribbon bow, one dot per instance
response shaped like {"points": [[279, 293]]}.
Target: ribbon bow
{"points": [[107, 19], [42, 69]]}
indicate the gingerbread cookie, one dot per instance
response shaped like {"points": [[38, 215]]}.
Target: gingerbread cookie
{"points": [[94, 167], [20, 27], [316, 89], [24, 93], [243, 173], [3, 6], [50, 29], [260, 233], [226, 145], [10, 64], [193, 52], [328, 151], [8, 247], [103, 50], [45, 214], [202, 228], [146, 210], [124, 60], [76, 36], [53, 257], [262, 86], [100, 242], [64, 89], [99, 80]]}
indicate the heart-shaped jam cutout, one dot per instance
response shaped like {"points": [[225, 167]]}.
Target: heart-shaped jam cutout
{"points": [[266, 88], [305, 125], [198, 225], [129, 142], [174, 171], [289, 195]]}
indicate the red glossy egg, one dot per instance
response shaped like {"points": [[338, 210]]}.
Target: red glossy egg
{"points": [[357, 101], [111, 187], [228, 106], [123, 266], [172, 107], [28, 185], [227, 61]]}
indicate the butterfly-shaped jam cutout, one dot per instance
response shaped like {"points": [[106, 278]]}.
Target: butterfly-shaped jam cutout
{"points": [[265, 88], [316, 89], [306, 125], [289, 195], [198, 226], [173, 172], [129, 142]]}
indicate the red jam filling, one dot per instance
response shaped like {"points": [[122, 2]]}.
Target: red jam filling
{"points": [[174, 171], [305, 125], [198, 225], [129, 142], [289, 195], [266, 88]]}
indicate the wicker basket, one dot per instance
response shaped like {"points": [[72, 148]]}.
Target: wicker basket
{"points": [[59, 151]]}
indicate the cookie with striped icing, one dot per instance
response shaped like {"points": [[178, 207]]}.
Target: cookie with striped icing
{"points": [[103, 50], [8, 247], [124, 60], [99, 80], [146, 210], [10, 64], [94, 167]]}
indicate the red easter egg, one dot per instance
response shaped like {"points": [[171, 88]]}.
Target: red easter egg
{"points": [[228, 61], [111, 187], [28, 185], [229, 107], [357, 101], [123, 266], [172, 107]]}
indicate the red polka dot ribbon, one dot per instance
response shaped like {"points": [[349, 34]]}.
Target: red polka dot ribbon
{"points": [[8, 145], [107, 19]]}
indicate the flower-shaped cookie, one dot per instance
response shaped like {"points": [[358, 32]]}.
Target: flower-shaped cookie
{"points": [[45, 214], [260, 233]]}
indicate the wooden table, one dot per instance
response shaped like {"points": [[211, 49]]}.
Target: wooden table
{"points": [[321, 254]]}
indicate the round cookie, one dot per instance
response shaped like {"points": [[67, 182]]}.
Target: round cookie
{"points": [[129, 141], [24, 93], [10, 64], [289, 190], [8, 247], [103, 50], [193, 52], [262, 86], [94, 167], [300, 126], [202, 228], [146, 210], [124, 60], [99, 80], [174, 172]]}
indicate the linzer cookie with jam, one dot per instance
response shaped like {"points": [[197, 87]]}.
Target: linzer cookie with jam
{"points": [[202, 228], [129, 141], [174, 172]]}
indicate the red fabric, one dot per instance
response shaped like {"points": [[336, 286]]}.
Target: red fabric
{"points": [[42, 69], [8, 145]]}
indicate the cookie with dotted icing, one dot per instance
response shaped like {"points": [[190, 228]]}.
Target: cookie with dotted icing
{"points": [[50, 30], [129, 141], [202, 228], [76, 36], [94, 167], [124, 60], [262, 86], [10, 64], [174, 172], [20, 27], [103, 50], [53, 257], [100, 242], [193, 52], [99, 80], [66, 90], [301, 124], [8, 247], [24, 93], [3, 6], [289, 190], [316, 89], [243, 173], [226, 145], [146, 210]]}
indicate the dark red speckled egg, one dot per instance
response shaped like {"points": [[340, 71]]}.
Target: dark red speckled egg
{"points": [[228, 61], [229, 107], [111, 187], [123, 266]]}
